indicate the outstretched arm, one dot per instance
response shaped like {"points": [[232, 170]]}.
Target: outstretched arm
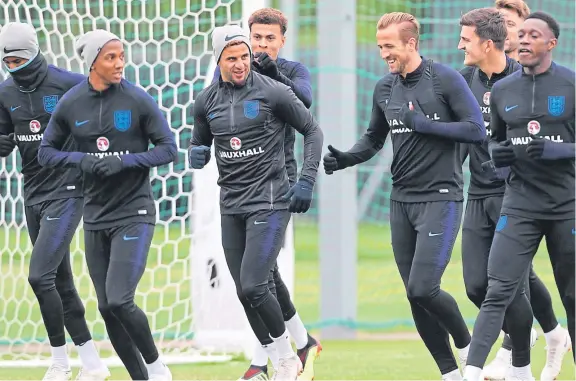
{"points": [[374, 138]]}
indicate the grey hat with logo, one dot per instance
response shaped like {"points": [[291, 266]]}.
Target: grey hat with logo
{"points": [[18, 40], [88, 45], [223, 35]]}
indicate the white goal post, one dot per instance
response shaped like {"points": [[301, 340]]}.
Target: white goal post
{"points": [[186, 290]]}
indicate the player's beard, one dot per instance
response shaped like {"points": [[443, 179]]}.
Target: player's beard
{"points": [[241, 82], [509, 48], [230, 77], [401, 67], [397, 67]]}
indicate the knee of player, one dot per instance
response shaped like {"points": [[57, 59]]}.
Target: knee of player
{"points": [[115, 305], [476, 292], [255, 293], [105, 310], [419, 291], [499, 293], [41, 283]]}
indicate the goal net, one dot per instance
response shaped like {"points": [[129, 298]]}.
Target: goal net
{"points": [[186, 290]]}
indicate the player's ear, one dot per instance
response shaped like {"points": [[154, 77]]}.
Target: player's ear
{"points": [[489, 45], [412, 43], [552, 43]]}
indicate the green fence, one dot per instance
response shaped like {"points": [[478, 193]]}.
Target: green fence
{"points": [[440, 34], [168, 50], [168, 46]]}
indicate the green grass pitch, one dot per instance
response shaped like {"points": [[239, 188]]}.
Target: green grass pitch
{"points": [[386, 348]]}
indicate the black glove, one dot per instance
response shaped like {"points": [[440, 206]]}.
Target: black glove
{"points": [[496, 174], [108, 166], [336, 160], [253, 65], [503, 154], [412, 119], [540, 148], [198, 156], [300, 195], [7, 144], [87, 163], [266, 65]]}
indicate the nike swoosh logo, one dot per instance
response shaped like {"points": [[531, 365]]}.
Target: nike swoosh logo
{"points": [[508, 108], [259, 222], [78, 124], [228, 38], [430, 234], [11, 50], [126, 238], [14, 108], [52, 218]]}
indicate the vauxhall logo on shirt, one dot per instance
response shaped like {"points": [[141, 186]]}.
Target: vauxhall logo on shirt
{"points": [[533, 128], [35, 128], [238, 152], [486, 107], [401, 130], [103, 144]]}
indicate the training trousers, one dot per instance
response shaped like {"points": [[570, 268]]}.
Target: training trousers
{"points": [[423, 236], [251, 243], [51, 227], [515, 243], [478, 229], [116, 259]]}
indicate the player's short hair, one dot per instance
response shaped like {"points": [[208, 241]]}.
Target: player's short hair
{"points": [[410, 27], [549, 20], [233, 43], [518, 6], [269, 16], [489, 24]]}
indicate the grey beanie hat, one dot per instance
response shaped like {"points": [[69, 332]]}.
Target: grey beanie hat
{"points": [[88, 45], [223, 35], [18, 40]]}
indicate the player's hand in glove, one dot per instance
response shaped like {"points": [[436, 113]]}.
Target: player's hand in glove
{"points": [[198, 156], [300, 195], [108, 166], [336, 160], [545, 149], [87, 163], [496, 174], [265, 65], [7, 144], [412, 118], [503, 154]]}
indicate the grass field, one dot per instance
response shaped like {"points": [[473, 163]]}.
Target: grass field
{"points": [[349, 360], [382, 307]]}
